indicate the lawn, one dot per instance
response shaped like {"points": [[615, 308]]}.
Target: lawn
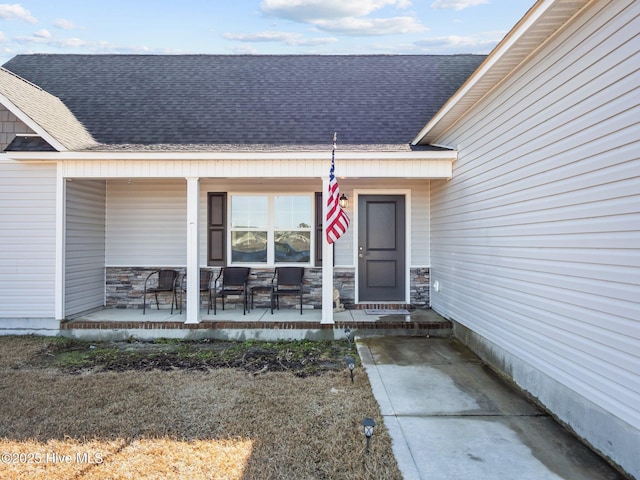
{"points": [[164, 410]]}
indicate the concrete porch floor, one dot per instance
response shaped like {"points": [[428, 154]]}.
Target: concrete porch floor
{"points": [[258, 324]]}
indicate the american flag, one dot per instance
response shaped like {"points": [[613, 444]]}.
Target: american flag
{"points": [[337, 219]]}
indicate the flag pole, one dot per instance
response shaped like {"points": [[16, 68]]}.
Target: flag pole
{"points": [[327, 251]]}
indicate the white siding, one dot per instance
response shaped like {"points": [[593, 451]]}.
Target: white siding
{"points": [[146, 219], [146, 223], [536, 239], [420, 235], [27, 239], [85, 245], [164, 165]]}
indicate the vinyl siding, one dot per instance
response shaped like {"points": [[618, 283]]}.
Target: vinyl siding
{"points": [[146, 223], [146, 219], [536, 239], [85, 245], [27, 239], [420, 225]]}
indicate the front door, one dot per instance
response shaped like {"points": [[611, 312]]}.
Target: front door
{"points": [[381, 248]]}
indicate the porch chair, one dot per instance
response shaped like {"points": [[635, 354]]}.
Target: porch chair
{"points": [[165, 283], [286, 281], [205, 285], [230, 281]]}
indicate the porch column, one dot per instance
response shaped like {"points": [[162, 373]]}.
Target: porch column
{"points": [[327, 261], [193, 250], [61, 190]]}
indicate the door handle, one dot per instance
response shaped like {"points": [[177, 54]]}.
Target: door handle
{"points": [[361, 253]]}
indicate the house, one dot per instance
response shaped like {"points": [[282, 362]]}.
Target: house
{"points": [[119, 165], [505, 189]]}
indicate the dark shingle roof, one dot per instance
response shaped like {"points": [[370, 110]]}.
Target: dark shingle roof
{"points": [[47, 111], [273, 100]]}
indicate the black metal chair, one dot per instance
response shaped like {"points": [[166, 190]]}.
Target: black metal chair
{"points": [[286, 281], [205, 285], [165, 283], [230, 281]]}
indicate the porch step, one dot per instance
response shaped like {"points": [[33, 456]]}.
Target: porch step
{"points": [[262, 330]]}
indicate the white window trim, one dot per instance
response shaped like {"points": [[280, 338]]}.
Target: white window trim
{"points": [[271, 263]]}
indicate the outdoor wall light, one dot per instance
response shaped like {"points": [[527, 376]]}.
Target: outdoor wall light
{"points": [[343, 201], [347, 332], [368, 425], [351, 363]]}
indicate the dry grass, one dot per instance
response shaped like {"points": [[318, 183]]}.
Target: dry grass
{"points": [[216, 424]]}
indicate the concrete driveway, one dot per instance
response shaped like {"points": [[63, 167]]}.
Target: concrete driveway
{"points": [[450, 417]]}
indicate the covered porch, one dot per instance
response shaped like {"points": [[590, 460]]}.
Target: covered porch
{"points": [[123, 215]]}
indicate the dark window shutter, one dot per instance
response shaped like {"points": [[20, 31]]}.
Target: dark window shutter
{"points": [[319, 222], [216, 228]]}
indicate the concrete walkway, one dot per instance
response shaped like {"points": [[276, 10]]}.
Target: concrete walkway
{"points": [[451, 418]]}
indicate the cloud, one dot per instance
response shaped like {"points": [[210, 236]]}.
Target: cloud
{"points": [[346, 17], [244, 50], [308, 11], [457, 4], [64, 24], [482, 43], [293, 39], [42, 34], [371, 26], [16, 12], [43, 37]]}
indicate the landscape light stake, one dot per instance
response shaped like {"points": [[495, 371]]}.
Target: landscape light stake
{"points": [[352, 365], [347, 332], [368, 425]]}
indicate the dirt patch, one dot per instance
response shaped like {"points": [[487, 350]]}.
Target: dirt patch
{"points": [[302, 358]]}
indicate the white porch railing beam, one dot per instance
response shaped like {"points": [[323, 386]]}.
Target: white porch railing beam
{"points": [[193, 250]]}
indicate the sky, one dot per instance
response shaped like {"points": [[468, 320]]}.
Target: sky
{"points": [[261, 27]]}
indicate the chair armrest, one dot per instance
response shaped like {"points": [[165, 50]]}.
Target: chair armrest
{"points": [[148, 277]]}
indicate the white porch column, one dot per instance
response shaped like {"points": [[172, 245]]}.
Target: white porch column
{"points": [[193, 250], [327, 261], [61, 189]]}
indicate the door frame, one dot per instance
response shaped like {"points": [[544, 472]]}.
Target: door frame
{"points": [[407, 235]]}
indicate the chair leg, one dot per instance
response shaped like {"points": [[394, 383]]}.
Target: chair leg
{"points": [[144, 302], [157, 304], [301, 303]]}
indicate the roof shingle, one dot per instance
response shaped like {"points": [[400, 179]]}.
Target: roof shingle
{"points": [[268, 100], [46, 110]]}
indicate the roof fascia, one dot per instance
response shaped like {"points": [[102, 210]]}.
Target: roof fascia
{"points": [[231, 156], [529, 19], [28, 121]]}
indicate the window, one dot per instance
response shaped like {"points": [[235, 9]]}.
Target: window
{"points": [[270, 228]]}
